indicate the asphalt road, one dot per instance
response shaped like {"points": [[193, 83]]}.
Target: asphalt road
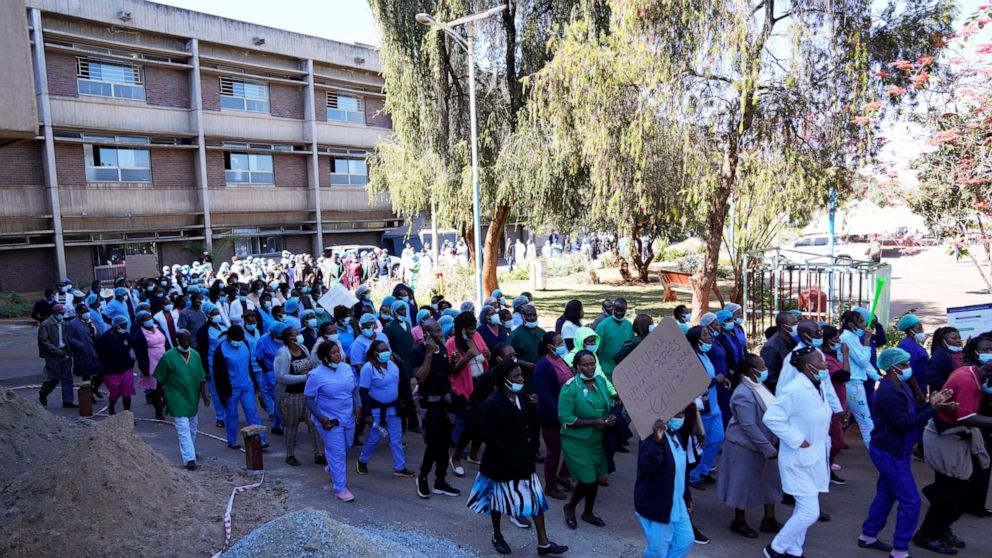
{"points": [[385, 501]]}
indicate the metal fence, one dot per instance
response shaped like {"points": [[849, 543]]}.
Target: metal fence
{"points": [[109, 273], [819, 286]]}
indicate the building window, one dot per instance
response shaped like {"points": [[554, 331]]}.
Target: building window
{"points": [[109, 79], [248, 168], [349, 171], [117, 164], [238, 94], [345, 108], [248, 242]]}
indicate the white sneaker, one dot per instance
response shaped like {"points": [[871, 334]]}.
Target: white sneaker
{"points": [[459, 471]]}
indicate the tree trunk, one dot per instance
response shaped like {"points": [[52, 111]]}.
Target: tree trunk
{"points": [[490, 250], [642, 258], [705, 277]]}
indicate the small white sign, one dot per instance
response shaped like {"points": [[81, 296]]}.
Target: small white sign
{"points": [[970, 320], [337, 296]]}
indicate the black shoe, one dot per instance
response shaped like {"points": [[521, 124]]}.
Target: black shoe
{"points": [[934, 545], [877, 545], [770, 553], [501, 546], [743, 529], [191, 466], [834, 479], [570, 518], [445, 489], [824, 517], [276, 431], [265, 446], [220, 424], [361, 468], [551, 548], [319, 460], [43, 399], [404, 473], [423, 489], [770, 526], [952, 539], [234, 446], [69, 406], [291, 460], [698, 537], [697, 486], [708, 478]]}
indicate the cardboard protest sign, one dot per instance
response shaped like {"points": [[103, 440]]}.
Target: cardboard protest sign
{"points": [[660, 377], [337, 296]]}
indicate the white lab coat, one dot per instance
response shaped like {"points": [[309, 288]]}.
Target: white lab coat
{"points": [[236, 310], [801, 413], [789, 373], [159, 318]]}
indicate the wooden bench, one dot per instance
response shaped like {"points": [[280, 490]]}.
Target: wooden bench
{"points": [[681, 282]]}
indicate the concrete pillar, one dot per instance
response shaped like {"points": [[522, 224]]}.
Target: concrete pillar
{"points": [[48, 158], [313, 177], [196, 115]]}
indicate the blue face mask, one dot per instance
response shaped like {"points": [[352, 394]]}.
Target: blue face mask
{"points": [[370, 333], [306, 290], [954, 348], [836, 347], [763, 375], [618, 318], [312, 322], [183, 349], [823, 375], [384, 356], [738, 321], [987, 388], [250, 327], [235, 344], [651, 328], [515, 388], [684, 327], [148, 324], [984, 357], [816, 343], [715, 333], [859, 332], [729, 326], [508, 324], [386, 317], [530, 325], [705, 347], [674, 424], [494, 319], [904, 374], [561, 351]]}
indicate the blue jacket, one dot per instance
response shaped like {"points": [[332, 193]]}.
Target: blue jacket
{"points": [[232, 368], [548, 389], [85, 361], [118, 308], [898, 422], [265, 352], [939, 368], [654, 489]]}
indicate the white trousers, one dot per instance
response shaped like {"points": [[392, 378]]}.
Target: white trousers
{"points": [[791, 538]]}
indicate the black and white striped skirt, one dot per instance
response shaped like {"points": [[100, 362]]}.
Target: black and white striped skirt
{"points": [[517, 497]]}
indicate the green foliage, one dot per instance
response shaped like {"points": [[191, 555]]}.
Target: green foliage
{"points": [[566, 265], [13, 305], [518, 274], [690, 263]]}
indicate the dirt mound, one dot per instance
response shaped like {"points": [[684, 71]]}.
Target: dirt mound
{"points": [[310, 533], [30, 436], [110, 494]]}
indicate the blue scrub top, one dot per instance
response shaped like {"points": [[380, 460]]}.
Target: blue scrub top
{"points": [[383, 383], [334, 391]]}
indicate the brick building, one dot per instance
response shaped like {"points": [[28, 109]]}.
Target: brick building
{"points": [[132, 128]]}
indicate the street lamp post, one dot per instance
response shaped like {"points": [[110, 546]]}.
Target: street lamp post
{"points": [[468, 20]]}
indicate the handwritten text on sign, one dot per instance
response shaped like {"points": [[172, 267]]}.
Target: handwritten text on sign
{"points": [[660, 377]]}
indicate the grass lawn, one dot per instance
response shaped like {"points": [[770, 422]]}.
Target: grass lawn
{"points": [[550, 302]]}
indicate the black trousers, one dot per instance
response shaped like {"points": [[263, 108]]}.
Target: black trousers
{"points": [[948, 498], [437, 438]]}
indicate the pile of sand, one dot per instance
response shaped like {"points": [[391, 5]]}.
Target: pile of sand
{"points": [[110, 494], [30, 436], [309, 533]]}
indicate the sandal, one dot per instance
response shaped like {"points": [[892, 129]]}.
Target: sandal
{"points": [[590, 518], [570, 518]]}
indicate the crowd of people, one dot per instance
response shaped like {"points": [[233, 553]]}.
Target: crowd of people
{"points": [[487, 385]]}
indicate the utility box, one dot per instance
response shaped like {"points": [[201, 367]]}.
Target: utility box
{"points": [[538, 275]]}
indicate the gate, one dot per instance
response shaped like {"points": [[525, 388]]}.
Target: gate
{"points": [[819, 286]]}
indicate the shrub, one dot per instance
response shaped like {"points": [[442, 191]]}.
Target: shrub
{"points": [[608, 260], [689, 263], [14, 306], [566, 265], [518, 274]]}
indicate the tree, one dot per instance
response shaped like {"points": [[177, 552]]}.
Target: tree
{"points": [[955, 174], [424, 164], [594, 110], [774, 75]]}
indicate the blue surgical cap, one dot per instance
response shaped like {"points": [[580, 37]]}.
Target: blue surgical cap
{"points": [[907, 321], [891, 357]]}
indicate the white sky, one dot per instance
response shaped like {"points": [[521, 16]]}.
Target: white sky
{"points": [[347, 21]]}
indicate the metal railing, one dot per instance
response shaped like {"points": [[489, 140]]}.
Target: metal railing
{"points": [[109, 273], [819, 286]]}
